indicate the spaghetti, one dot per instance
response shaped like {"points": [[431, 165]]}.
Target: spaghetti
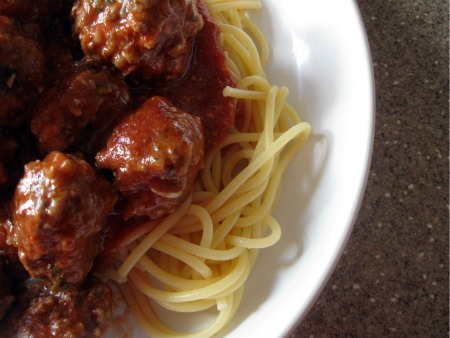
{"points": [[200, 256]]}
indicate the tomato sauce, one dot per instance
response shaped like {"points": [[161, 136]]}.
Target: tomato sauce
{"points": [[200, 90]]}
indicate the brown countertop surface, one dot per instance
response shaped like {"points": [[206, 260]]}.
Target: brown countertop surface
{"points": [[393, 278]]}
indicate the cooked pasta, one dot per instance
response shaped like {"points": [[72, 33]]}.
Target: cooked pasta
{"points": [[200, 256]]}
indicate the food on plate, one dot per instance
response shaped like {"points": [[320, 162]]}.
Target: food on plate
{"points": [[155, 154], [141, 154], [41, 311], [90, 98], [58, 209], [152, 39]]}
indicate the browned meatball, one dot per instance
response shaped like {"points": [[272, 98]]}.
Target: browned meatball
{"points": [[41, 311], [155, 155], [22, 67], [151, 38], [59, 207], [82, 96]]}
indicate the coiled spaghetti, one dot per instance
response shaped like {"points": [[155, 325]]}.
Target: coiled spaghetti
{"points": [[200, 256]]}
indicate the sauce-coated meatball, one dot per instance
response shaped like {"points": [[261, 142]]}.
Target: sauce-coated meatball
{"points": [[22, 67], [155, 154], [150, 38], [88, 96], [59, 207], [41, 311]]}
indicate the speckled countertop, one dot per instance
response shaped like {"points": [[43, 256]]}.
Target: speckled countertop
{"points": [[393, 278]]}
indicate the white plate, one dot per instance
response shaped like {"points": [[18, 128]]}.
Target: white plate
{"points": [[320, 52]]}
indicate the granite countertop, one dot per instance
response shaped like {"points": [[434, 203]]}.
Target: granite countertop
{"points": [[393, 277]]}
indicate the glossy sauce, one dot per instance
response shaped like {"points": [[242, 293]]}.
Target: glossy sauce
{"points": [[56, 226], [200, 90]]}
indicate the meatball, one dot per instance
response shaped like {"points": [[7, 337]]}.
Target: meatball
{"points": [[22, 68], [151, 38], [59, 207], [155, 154], [42, 311], [83, 96]]}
